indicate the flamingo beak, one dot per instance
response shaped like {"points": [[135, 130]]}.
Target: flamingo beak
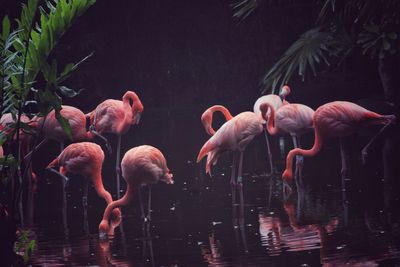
{"points": [[137, 117]]}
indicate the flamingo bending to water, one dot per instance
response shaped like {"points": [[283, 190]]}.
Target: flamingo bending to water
{"points": [[142, 165], [336, 119], [295, 119], [86, 159], [116, 116]]}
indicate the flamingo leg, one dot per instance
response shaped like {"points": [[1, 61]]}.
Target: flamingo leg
{"points": [[149, 204], [64, 194], [297, 170], [118, 167], [141, 205], [300, 164], [364, 151], [85, 206], [240, 180], [105, 140], [344, 173], [271, 166], [233, 179]]}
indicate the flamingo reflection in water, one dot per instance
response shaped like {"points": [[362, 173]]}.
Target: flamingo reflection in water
{"points": [[278, 237]]}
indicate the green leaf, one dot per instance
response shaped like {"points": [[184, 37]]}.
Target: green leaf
{"points": [[71, 67], [64, 124], [6, 27]]}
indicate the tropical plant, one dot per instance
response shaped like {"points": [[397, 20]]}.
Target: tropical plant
{"points": [[24, 53], [342, 26]]}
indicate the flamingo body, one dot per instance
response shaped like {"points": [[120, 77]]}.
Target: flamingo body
{"points": [[116, 116], [234, 134], [294, 119], [76, 119]]}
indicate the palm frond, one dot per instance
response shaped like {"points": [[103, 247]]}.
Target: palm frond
{"points": [[244, 8], [311, 49]]}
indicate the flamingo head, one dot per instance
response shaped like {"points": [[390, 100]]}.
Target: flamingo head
{"points": [[137, 117], [265, 111], [206, 120], [103, 229], [285, 91], [167, 178]]}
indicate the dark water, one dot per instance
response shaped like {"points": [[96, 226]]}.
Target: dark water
{"points": [[194, 224]]}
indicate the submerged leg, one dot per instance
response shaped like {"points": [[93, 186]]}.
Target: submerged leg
{"points": [[271, 166], [233, 179], [344, 173], [299, 165], [85, 206], [240, 180], [149, 204], [64, 194], [118, 167], [141, 204]]}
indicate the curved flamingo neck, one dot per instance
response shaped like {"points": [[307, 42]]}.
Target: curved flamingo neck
{"points": [[136, 106], [288, 173], [223, 110], [126, 199], [272, 129], [98, 185], [207, 117]]}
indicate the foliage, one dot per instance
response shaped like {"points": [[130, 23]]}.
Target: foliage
{"points": [[25, 64], [342, 26], [25, 244]]}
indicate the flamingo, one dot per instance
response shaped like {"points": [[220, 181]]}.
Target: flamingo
{"points": [[116, 116], [276, 101], [51, 128], [142, 165], [234, 135], [295, 119], [86, 159], [337, 119]]}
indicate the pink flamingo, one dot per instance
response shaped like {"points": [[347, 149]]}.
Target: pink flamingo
{"points": [[86, 159], [142, 165], [52, 129], [337, 119], [276, 101], [295, 119], [116, 116], [234, 135]]}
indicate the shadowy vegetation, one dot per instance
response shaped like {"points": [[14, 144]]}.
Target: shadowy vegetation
{"points": [[342, 27], [30, 75]]}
